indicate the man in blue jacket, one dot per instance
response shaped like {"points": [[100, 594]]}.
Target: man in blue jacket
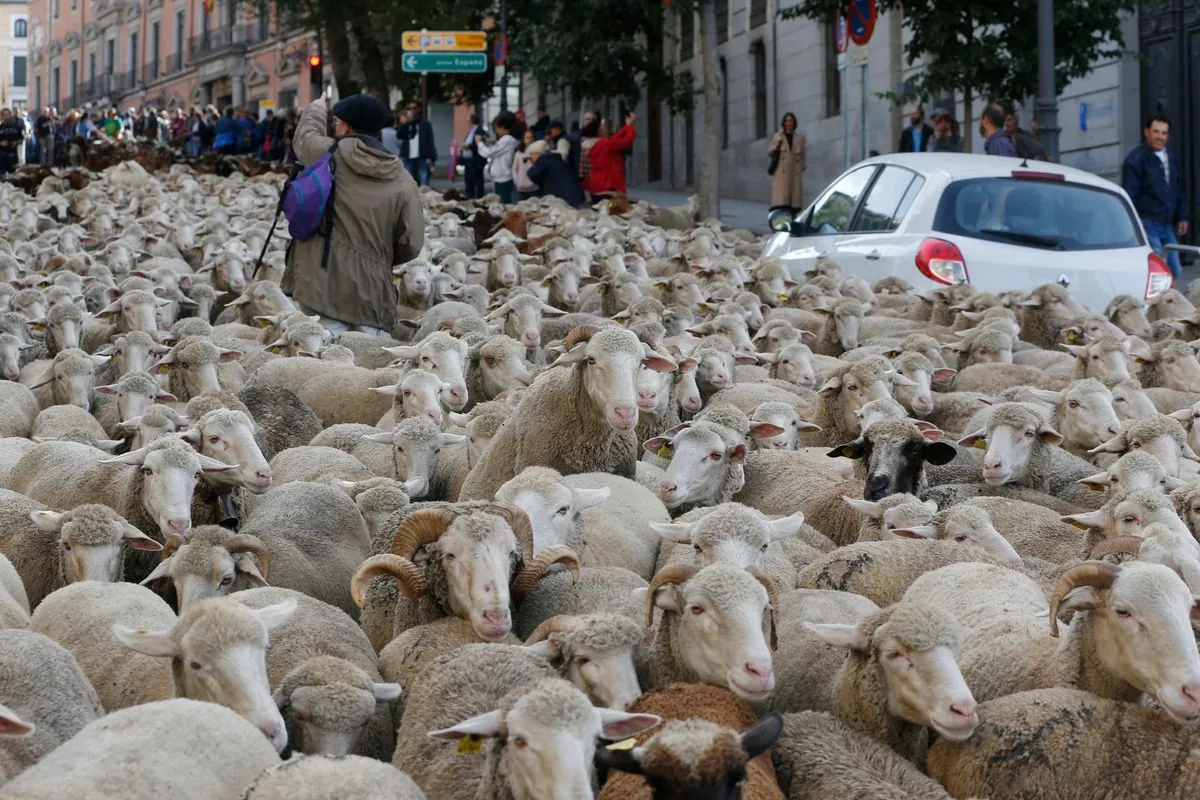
{"points": [[417, 147], [1153, 179]]}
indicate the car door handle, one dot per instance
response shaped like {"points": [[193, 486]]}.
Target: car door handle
{"points": [[873, 255]]}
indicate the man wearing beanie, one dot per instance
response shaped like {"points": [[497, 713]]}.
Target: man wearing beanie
{"points": [[377, 221]]}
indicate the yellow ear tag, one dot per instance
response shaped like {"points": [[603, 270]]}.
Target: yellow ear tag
{"points": [[603, 288], [264, 323], [980, 444], [664, 451], [624, 744], [469, 745], [1080, 525], [1095, 488], [163, 369], [277, 349], [783, 297], [1072, 336]]}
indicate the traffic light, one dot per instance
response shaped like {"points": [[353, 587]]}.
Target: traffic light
{"points": [[314, 68]]}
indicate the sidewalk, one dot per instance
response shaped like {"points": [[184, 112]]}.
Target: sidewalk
{"points": [[734, 213]]}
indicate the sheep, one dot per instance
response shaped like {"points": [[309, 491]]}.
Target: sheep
{"points": [[193, 369], [1171, 364], [711, 745], [416, 395], [1048, 309], [1020, 449], [63, 326], [444, 356], [894, 453], [334, 391], [793, 362], [45, 696], [1129, 314], [1131, 402], [11, 350], [322, 777], [494, 366], [819, 756], [507, 696], [594, 385], [693, 476], [520, 318], [477, 561], [1106, 359], [971, 524], [1161, 436], [783, 416], [846, 390], [840, 331], [51, 549], [127, 398], [1083, 414], [563, 283], [315, 538], [316, 464], [281, 418], [922, 373], [212, 562], [69, 379], [71, 423], [12, 449], [1171, 304], [106, 760], [414, 284], [410, 452], [260, 299], [18, 410], [994, 378], [226, 639], [984, 345], [1028, 746]]}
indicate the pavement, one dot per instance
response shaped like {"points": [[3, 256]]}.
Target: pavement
{"points": [[734, 213]]}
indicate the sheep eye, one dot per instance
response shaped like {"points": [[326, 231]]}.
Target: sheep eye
{"points": [[893, 655], [491, 360], [715, 456], [67, 545], [960, 538], [407, 393], [399, 448], [147, 471], [228, 579], [1028, 434], [214, 440], [696, 610], [1073, 404], [1129, 519], [195, 665], [1122, 612], [762, 549], [699, 550], [589, 362], [448, 557], [785, 361], [520, 742], [562, 512], [1136, 445]]}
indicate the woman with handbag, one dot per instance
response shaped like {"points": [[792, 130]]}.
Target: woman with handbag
{"points": [[786, 165]]}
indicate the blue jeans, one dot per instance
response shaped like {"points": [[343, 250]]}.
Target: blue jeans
{"points": [[1160, 234], [419, 169]]}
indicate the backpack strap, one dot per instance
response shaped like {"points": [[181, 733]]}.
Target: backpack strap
{"points": [[326, 228]]}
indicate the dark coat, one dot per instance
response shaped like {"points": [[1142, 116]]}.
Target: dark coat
{"points": [[554, 177], [906, 138], [1154, 197], [427, 147]]}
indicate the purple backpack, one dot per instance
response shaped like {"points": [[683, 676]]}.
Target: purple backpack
{"points": [[307, 198]]}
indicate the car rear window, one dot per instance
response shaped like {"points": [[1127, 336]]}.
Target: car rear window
{"points": [[1052, 215]]}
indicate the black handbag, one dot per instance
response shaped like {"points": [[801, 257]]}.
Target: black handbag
{"points": [[774, 163]]}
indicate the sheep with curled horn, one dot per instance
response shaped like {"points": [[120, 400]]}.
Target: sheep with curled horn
{"points": [[470, 561]]}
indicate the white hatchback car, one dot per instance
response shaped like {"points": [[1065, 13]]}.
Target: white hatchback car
{"points": [[940, 219]]}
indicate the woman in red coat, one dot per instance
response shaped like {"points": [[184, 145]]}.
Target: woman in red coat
{"points": [[607, 174]]}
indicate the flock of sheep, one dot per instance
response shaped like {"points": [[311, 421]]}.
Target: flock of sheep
{"points": [[622, 510]]}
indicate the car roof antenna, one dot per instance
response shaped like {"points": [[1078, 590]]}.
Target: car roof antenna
{"points": [[1025, 162]]}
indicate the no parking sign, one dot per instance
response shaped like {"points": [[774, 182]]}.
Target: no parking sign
{"points": [[863, 14]]}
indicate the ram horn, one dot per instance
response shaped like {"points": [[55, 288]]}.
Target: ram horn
{"points": [[673, 573], [561, 623], [518, 520], [580, 333], [1117, 544], [1090, 573], [420, 529], [408, 576], [248, 543], [536, 567]]}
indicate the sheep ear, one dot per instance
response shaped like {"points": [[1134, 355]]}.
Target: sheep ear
{"points": [[387, 391], [808, 337], [678, 532], [759, 738], [1049, 435], [944, 375], [736, 453], [831, 387], [915, 532], [1085, 598], [459, 419], [134, 458], [1098, 482], [148, 643], [938, 453], [977, 440], [245, 565], [273, 616], [1173, 483], [160, 573], [573, 356], [240, 300], [452, 438], [386, 692], [545, 648], [852, 450], [654, 361], [768, 358], [212, 465], [138, 540], [229, 355], [587, 498], [405, 352], [867, 508], [1113, 445], [1188, 453], [785, 526], [1073, 349], [764, 430], [900, 380], [483, 726], [616, 725], [1184, 415], [849, 636], [11, 724], [379, 438], [1094, 520], [49, 521]]}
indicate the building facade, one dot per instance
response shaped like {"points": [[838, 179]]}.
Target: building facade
{"points": [[14, 54], [166, 53], [768, 66]]}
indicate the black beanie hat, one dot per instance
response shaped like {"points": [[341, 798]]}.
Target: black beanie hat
{"points": [[364, 113]]}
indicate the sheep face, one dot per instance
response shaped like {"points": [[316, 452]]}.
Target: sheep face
{"points": [[502, 366], [1106, 360], [596, 653], [846, 318], [1189, 417], [90, 540], [965, 525], [1133, 471], [417, 396], [563, 283], [1171, 304], [1085, 413], [228, 437], [1130, 515], [653, 388], [1130, 316], [522, 319], [687, 389], [732, 328], [444, 356], [700, 464], [10, 356], [547, 739], [261, 299], [135, 393], [416, 278], [922, 374], [607, 365], [1163, 446], [478, 555], [714, 369], [64, 328], [731, 534], [856, 388], [134, 311], [792, 363], [1010, 449], [218, 650], [193, 367], [71, 378], [683, 290], [229, 273], [326, 704], [31, 303], [914, 650], [721, 618], [212, 563], [895, 452], [553, 508], [1131, 403], [1178, 367]]}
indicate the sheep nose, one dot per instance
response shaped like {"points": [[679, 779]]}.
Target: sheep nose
{"points": [[436, 416], [964, 709], [645, 397], [496, 616], [761, 671], [992, 464], [667, 490], [11, 374], [179, 525], [626, 415], [458, 394], [572, 297], [877, 486], [276, 733], [1114, 430], [238, 285], [263, 474], [532, 339]]}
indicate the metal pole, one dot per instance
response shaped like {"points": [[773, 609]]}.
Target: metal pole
{"points": [[1046, 108], [504, 32], [865, 126], [845, 69]]}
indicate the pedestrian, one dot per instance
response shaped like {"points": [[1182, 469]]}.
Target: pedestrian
{"points": [[591, 125], [279, 136], [225, 141], [44, 131], [208, 128], [378, 223], [991, 128], [391, 136], [1012, 124], [473, 161], [946, 138], [1023, 141], [26, 136], [606, 168], [1153, 179], [12, 136], [244, 126], [500, 154], [553, 177], [521, 163], [788, 160], [111, 125], [519, 126], [420, 150], [542, 126], [914, 137], [558, 141]]}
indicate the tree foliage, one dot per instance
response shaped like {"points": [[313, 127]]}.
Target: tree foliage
{"points": [[989, 47]]}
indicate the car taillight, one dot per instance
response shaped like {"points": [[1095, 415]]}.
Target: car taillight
{"points": [[942, 261], [1158, 276]]}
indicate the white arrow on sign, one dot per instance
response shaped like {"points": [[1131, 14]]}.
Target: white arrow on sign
{"points": [[411, 62]]}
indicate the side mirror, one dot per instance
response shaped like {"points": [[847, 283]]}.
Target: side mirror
{"points": [[779, 220]]}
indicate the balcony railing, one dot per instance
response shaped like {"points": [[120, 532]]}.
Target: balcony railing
{"points": [[110, 86], [150, 72], [174, 63], [228, 37]]}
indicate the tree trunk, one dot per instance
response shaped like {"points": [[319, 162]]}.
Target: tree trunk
{"points": [[710, 146], [337, 45], [968, 133], [370, 55]]}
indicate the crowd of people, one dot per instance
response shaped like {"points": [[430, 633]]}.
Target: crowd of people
{"points": [[52, 139]]}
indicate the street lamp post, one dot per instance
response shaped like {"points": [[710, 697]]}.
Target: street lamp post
{"points": [[1046, 108]]}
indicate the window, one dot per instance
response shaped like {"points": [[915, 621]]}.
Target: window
{"points": [[723, 88], [91, 67], [21, 29], [832, 212], [74, 75], [833, 76], [19, 71], [54, 8], [54, 95], [133, 55], [37, 91], [110, 56], [287, 99], [888, 201], [758, 13], [687, 34], [758, 52], [263, 23], [155, 52], [1054, 215], [722, 9]]}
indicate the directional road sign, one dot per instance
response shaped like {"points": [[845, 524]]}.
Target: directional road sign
{"points": [[445, 62], [445, 41]]}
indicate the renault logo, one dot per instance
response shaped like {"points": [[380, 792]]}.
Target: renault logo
{"points": [[1063, 281]]}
